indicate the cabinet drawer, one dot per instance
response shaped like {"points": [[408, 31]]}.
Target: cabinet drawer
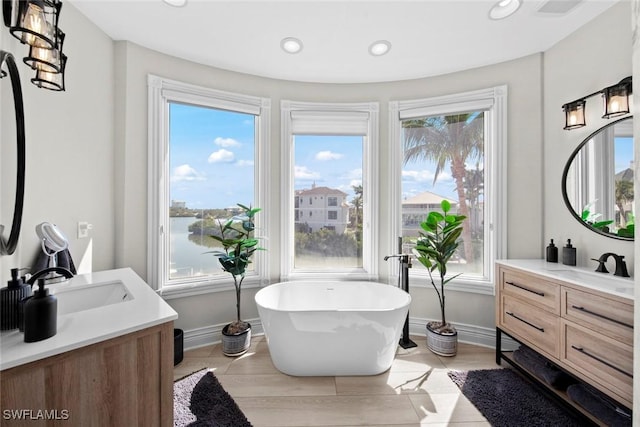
{"points": [[605, 360], [534, 290], [605, 315], [536, 327]]}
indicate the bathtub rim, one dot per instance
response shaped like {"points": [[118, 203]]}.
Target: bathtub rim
{"points": [[335, 310]]}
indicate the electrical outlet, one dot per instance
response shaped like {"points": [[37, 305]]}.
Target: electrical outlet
{"points": [[83, 229]]}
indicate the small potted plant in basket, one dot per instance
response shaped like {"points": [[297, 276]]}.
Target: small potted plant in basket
{"points": [[438, 242], [236, 237]]}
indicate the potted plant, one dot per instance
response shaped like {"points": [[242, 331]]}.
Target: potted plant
{"points": [[239, 245], [438, 242]]}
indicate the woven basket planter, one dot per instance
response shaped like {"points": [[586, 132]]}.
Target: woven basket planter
{"points": [[442, 342], [235, 344]]}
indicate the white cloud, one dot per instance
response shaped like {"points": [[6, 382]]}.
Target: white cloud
{"points": [[244, 163], [221, 155], [226, 142], [186, 173], [353, 174], [424, 175], [355, 183], [302, 172], [328, 155]]}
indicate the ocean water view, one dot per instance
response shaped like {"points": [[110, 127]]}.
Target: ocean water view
{"points": [[187, 252]]}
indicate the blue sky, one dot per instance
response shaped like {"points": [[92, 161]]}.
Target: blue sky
{"points": [[212, 159], [623, 153]]}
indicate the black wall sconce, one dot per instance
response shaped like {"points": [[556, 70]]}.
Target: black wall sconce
{"points": [[616, 103], [35, 23]]}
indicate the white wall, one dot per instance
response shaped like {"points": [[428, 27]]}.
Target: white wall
{"points": [[594, 57], [70, 147]]}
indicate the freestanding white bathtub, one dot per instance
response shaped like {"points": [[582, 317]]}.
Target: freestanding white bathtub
{"points": [[332, 328]]}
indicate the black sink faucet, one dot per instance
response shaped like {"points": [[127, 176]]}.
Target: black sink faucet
{"points": [[621, 266], [60, 270]]}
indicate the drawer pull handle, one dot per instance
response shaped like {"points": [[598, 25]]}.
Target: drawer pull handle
{"points": [[524, 321], [524, 288], [593, 313], [604, 362]]}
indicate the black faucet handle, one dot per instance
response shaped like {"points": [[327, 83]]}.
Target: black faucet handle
{"points": [[621, 268], [601, 267]]}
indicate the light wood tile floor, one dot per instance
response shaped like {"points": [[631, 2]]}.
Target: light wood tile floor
{"points": [[416, 391]]}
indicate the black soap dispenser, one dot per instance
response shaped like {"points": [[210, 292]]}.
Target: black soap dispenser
{"points": [[552, 252], [9, 300], [40, 315], [569, 254]]}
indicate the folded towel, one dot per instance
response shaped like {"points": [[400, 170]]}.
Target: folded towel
{"points": [[542, 368], [599, 405], [63, 259]]}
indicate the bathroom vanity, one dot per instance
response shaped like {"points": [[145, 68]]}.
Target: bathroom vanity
{"points": [[110, 363], [581, 321]]}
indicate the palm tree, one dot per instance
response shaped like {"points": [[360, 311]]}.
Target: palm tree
{"points": [[454, 139], [357, 220], [624, 194], [474, 189]]}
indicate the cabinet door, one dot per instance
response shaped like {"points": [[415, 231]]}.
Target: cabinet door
{"points": [[537, 328], [608, 316], [531, 288], [605, 360]]}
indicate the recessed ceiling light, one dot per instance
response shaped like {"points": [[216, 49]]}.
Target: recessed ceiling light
{"points": [[379, 48], [291, 45], [504, 8], [176, 3]]}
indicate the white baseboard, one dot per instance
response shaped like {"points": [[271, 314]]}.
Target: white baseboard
{"points": [[208, 335], [481, 336], [471, 334]]}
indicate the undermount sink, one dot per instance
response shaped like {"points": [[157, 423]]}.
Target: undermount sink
{"points": [[91, 296]]}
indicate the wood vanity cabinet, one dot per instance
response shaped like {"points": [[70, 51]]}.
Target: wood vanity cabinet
{"points": [[585, 331], [123, 381]]}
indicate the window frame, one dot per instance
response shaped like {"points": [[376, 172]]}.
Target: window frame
{"points": [[342, 117], [493, 101], [162, 92]]}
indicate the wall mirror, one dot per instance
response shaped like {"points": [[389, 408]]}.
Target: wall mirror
{"points": [[13, 160], [597, 182]]}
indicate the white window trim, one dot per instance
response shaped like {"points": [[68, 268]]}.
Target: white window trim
{"points": [[494, 102], [341, 116], [161, 92]]}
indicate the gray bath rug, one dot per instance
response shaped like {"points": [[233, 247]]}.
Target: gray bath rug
{"points": [[506, 399], [199, 400]]}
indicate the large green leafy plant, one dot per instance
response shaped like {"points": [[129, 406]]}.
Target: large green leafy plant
{"points": [[239, 244], [438, 242]]}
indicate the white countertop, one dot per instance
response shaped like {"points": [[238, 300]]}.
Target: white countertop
{"points": [[588, 278], [87, 327]]}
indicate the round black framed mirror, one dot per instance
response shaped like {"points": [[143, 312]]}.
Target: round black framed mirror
{"points": [[8, 245], [597, 181]]}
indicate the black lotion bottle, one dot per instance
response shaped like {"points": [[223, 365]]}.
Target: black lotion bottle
{"points": [[10, 299], [40, 315], [569, 254], [552, 252]]}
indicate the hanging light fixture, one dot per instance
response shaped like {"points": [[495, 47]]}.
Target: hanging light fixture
{"points": [[616, 99], [574, 114], [51, 81], [42, 58], [616, 103], [36, 22]]}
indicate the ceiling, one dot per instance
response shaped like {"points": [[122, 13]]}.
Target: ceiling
{"points": [[428, 37]]}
